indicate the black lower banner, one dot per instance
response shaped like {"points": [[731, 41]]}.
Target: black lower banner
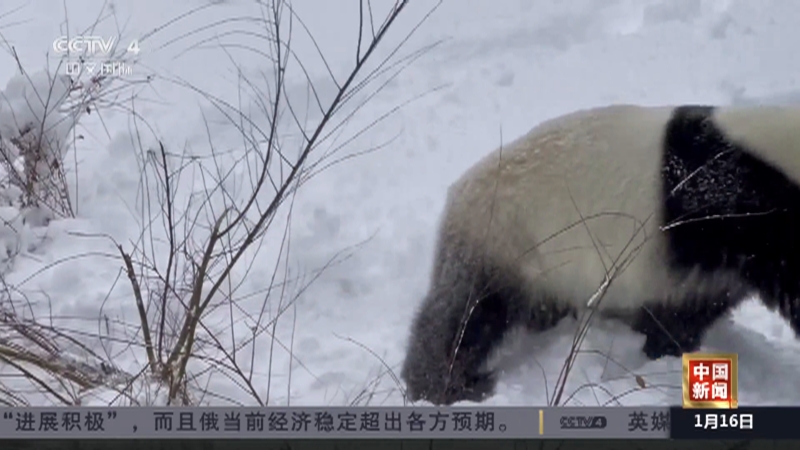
{"points": [[335, 423], [321, 423], [740, 423]]}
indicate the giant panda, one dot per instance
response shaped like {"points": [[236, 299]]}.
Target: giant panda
{"points": [[666, 217]]}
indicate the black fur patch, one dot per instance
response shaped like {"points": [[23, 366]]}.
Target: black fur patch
{"points": [[724, 209]]}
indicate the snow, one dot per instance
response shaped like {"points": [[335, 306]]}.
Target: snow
{"points": [[501, 67]]}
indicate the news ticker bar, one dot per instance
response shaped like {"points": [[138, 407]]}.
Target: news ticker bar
{"points": [[398, 422]]}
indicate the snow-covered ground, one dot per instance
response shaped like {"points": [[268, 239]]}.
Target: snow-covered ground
{"points": [[502, 67]]}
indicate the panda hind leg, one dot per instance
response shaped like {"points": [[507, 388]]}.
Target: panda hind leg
{"points": [[462, 319], [467, 313]]}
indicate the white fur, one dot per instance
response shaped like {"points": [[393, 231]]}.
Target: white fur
{"points": [[523, 204], [771, 132]]}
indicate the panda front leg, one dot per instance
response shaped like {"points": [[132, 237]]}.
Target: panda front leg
{"points": [[780, 291], [674, 328]]}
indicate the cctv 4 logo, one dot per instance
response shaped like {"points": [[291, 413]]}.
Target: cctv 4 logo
{"points": [[91, 45], [583, 422]]}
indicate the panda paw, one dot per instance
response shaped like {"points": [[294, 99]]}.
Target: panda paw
{"points": [[441, 391], [659, 345]]}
